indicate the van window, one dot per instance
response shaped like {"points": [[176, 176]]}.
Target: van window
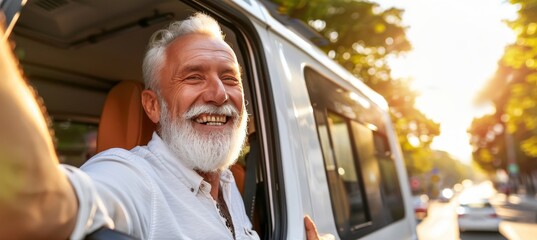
{"points": [[363, 181], [75, 141]]}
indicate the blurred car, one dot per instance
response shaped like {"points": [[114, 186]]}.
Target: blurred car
{"points": [[421, 206], [477, 215]]}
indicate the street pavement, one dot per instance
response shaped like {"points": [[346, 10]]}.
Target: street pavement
{"points": [[519, 213]]}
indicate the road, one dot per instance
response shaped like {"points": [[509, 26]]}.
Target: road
{"points": [[441, 224]]}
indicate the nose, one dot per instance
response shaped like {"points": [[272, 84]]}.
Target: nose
{"points": [[215, 92]]}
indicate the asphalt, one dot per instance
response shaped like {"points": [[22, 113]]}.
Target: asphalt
{"points": [[519, 214]]}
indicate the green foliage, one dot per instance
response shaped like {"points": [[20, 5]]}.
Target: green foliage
{"points": [[488, 141], [516, 104], [360, 36], [529, 146], [447, 172], [451, 170]]}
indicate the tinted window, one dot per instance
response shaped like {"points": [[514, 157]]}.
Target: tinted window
{"points": [[363, 181], [355, 213]]}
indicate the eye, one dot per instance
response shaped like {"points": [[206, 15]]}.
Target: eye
{"points": [[194, 77], [231, 80]]}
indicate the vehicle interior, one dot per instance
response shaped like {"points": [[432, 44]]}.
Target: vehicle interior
{"points": [[73, 61], [74, 52], [84, 59]]}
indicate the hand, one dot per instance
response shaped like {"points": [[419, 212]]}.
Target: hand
{"points": [[311, 231]]}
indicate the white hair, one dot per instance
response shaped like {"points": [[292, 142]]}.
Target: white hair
{"points": [[156, 48]]}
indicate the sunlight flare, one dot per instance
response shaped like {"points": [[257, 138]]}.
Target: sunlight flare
{"points": [[456, 47]]}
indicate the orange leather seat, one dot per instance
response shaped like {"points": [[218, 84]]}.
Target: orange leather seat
{"points": [[123, 122], [239, 174]]}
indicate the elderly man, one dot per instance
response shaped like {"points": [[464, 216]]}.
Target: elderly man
{"points": [[178, 186]]}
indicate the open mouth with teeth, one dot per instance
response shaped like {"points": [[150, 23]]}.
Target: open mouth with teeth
{"points": [[212, 120]]}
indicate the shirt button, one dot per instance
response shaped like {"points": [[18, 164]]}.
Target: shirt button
{"points": [[192, 189]]}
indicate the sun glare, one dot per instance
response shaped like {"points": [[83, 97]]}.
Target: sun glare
{"points": [[456, 47]]}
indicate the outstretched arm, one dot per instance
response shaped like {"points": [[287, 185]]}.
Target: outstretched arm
{"points": [[36, 199]]}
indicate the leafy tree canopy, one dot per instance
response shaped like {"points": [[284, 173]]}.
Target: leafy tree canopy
{"points": [[516, 102]]}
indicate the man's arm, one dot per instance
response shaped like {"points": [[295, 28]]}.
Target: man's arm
{"points": [[36, 199]]}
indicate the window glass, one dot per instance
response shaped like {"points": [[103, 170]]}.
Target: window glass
{"points": [[337, 191], [342, 148], [347, 170], [363, 144], [75, 141], [391, 189]]}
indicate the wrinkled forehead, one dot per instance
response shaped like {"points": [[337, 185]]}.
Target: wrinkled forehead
{"points": [[199, 42]]}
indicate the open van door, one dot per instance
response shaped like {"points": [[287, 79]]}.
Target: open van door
{"points": [[11, 10]]}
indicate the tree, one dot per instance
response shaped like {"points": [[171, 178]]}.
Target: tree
{"points": [[361, 36], [488, 141], [516, 104]]}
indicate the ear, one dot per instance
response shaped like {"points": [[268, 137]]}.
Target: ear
{"points": [[151, 105]]}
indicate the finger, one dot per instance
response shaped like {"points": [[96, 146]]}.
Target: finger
{"points": [[311, 229]]}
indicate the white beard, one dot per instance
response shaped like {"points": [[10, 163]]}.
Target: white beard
{"points": [[210, 152]]}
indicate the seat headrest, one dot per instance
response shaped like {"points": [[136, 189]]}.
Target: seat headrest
{"points": [[123, 122]]}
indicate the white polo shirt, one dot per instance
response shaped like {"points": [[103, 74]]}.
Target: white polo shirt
{"points": [[149, 194]]}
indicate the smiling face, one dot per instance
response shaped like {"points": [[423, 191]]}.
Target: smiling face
{"points": [[201, 70], [200, 106]]}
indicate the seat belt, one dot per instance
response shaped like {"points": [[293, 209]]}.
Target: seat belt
{"points": [[250, 182]]}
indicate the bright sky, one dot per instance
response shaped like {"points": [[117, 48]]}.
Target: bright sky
{"points": [[456, 47]]}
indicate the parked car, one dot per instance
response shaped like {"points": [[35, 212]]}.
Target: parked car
{"points": [[421, 206], [477, 215]]}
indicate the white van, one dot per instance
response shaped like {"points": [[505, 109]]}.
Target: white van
{"points": [[326, 144]]}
